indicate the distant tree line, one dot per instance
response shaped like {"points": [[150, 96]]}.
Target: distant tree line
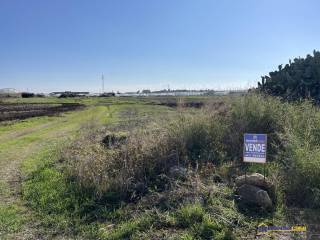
{"points": [[299, 79], [31, 95], [27, 95]]}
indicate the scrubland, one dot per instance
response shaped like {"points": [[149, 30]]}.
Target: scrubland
{"points": [[150, 169]]}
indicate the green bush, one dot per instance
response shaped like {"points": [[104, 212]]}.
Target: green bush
{"points": [[296, 80]]}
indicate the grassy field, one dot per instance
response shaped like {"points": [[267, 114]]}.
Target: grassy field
{"points": [[103, 172], [26, 144], [24, 140]]}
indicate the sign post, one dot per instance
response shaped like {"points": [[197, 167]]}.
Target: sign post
{"points": [[255, 149]]}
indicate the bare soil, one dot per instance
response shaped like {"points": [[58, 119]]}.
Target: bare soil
{"points": [[13, 111]]}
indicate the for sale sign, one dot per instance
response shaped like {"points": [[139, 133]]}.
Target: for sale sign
{"points": [[255, 148]]}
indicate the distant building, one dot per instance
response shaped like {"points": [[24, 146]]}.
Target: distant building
{"points": [[108, 94], [221, 93], [9, 92], [238, 92]]}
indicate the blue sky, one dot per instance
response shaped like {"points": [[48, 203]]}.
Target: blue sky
{"points": [[138, 44]]}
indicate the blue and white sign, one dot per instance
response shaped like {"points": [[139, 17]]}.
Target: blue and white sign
{"points": [[255, 148]]}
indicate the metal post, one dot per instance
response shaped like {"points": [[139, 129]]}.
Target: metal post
{"points": [[245, 174]]}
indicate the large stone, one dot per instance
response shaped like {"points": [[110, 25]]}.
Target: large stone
{"points": [[255, 179], [253, 195]]}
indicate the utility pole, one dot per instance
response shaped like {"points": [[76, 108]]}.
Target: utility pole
{"points": [[102, 78]]}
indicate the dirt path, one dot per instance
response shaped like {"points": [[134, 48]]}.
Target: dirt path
{"points": [[19, 145], [24, 131]]}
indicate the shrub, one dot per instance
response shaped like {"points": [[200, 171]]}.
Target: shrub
{"points": [[297, 79], [27, 95], [120, 169], [198, 138]]}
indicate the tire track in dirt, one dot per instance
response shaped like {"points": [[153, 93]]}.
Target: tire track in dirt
{"points": [[20, 133], [12, 155]]}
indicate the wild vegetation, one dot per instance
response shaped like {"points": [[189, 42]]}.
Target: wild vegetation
{"points": [[299, 79], [132, 168], [154, 172]]}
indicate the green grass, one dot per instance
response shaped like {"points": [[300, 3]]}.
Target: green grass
{"points": [[190, 214], [13, 126], [48, 193], [190, 221], [4, 189], [68, 122], [127, 229], [11, 218]]}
